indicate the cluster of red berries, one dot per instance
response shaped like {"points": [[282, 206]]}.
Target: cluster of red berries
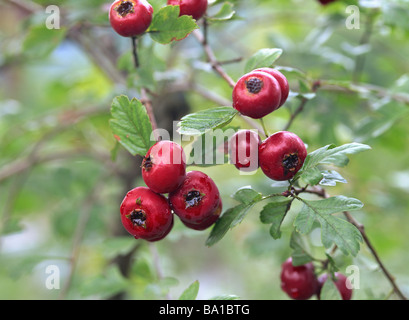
{"points": [[193, 196], [301, 282], [131, 18], [281, 155]]}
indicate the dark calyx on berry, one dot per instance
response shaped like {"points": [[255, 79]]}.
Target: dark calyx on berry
{"points": [[138, 218], [193, 198], [147, 163], [290, 161], [254, 85], [124, 8]]}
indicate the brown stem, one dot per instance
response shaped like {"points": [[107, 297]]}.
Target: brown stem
{"points": [[149, 109], [375, 254], [296, 113], [321, 192], [135, 52], [212, 58], [144, 91]]}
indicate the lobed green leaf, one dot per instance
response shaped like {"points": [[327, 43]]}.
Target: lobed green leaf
{"points": [[274, 213], [130, 125], [200, 122], [190, 292], [167, 26], [263, 58], [334, 230]]}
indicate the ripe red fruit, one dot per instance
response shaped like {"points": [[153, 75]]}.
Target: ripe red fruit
{"points": [[194, 8], [197, 202], [130, 18], [281, 155], [164, 167], [282, 81], [146, 214], [299, 283], [341, 282], [325, 2], [206, 223], [244, 150], [256, 94]]}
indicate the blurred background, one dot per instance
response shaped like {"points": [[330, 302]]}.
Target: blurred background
{"points": [[63, 176]]}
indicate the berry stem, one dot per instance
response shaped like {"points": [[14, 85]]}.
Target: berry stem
{"points": [[135, 51], [263, 125], [144, 95], [212, 58]]}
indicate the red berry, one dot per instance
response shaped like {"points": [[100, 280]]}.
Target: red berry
{"points": [[130, 18], [164, 167], [299, 283], [256, 94], [197, 200], [282, 81], [244, 150], [325, 2], [207, 222], [341, 282], [194, 8], [146, 214], [281, 155]]}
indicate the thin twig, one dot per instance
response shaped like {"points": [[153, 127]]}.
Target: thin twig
{"points": [[135, 52], [212, 58], [300, 109], [144, 92]]}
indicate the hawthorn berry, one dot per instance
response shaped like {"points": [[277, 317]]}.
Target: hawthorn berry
{"points": [[298, 282], [206, 223], [281, 155], [194, 8], [341, 282], [197, 201], [130, 18], [325, 2], [164, 167], [282, 81], [256, 94], [146, 214], [244, 150]]}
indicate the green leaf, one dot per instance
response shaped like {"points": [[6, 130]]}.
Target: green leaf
{"points": [[200, 122], [225, 222], [329, 290], [305, 219], [191, 292], [130, 125], [333, 230], [263, 58], [300, 254], [312, 176], [327, 155], [246, 195], [167, 26], [274, 213], [41, 41], [330, 178], [233, 216], [226, 12]]}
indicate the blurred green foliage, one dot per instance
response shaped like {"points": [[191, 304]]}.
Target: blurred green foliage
{"points": [[60, 189]]}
